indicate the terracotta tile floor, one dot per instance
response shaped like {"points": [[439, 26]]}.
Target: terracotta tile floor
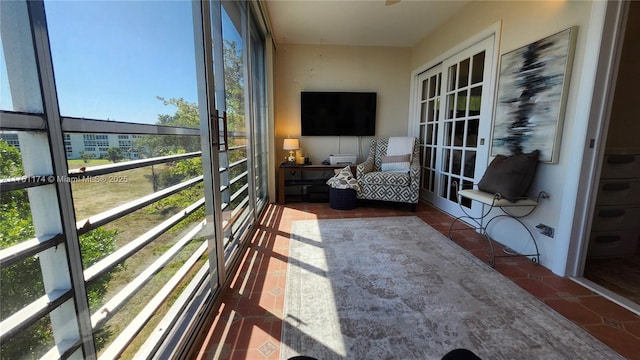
{"points": [[248, 322]]}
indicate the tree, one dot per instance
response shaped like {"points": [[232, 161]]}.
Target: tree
{"points": [[86, 157], [114, 154], [234, 87], [186, 115]]}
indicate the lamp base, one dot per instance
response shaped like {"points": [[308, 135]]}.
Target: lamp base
{"points": [[291, 157]]}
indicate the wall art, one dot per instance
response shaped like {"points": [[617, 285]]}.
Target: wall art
{"points": [[532, 92]]}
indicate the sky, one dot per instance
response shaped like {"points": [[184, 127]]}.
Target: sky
{"points": [[112, 59]]}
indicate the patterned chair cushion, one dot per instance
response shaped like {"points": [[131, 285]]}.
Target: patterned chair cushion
{"points": [[387, 178]]}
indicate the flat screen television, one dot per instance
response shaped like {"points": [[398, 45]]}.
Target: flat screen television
{"points": [[338, 113]]}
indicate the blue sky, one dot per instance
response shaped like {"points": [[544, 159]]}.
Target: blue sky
{"points": [[111, 59]]}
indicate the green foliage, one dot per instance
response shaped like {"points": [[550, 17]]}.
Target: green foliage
{"points": [[15, 217], [86, 157], [234, 87], [175, 173], [186, 115], [22, 282], [10, 161], [114, 154]]}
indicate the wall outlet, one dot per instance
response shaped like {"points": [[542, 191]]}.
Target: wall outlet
{"points": [[545, 230]]}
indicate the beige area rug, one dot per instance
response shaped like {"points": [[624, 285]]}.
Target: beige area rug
{"points": [[395, 288]]}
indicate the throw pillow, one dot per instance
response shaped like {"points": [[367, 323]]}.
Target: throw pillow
{"points": [[510, 176], [396, 163], [344, 180]]}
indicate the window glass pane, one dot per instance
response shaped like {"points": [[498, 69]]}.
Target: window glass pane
{"points": [[431, 111], [472, 133], [32, 343], [461, 105], [424, 92], [456, 162], [16, 221], [90, 149], [448, 133], [469, 163], [93, 195], [118, 60], [478, 68], [433, 86], [423, 112], [430, 134], [11, 159], [445, 160], [450, 105], [19, 84], [458, 136], [168, 254], [453, 73], [463, 79], [475, 102]]}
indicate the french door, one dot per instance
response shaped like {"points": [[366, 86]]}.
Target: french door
{"points": [[454, 125]]}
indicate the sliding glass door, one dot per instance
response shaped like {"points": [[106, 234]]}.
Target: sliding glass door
{"points": [[239, 127], [125, 195]]}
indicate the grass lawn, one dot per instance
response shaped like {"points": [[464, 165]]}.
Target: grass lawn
{"points": [[93, 196], [78, 163]]}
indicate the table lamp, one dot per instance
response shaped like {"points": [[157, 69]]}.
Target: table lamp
{"points": [[291, 145]]}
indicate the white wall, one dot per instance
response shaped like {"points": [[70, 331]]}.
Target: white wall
{"points": [[524, 22], [384, 70]]}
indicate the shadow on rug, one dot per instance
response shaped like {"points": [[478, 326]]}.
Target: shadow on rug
{"points": [[395, 288]]}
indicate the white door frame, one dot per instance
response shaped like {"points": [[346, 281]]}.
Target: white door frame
{"points": [[414, 91], [491, 69], [608, 20]]}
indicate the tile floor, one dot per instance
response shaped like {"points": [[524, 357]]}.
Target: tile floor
{"points": [[248, 322]]}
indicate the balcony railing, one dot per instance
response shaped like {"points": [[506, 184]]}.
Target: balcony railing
{"points": [[191, 269]]}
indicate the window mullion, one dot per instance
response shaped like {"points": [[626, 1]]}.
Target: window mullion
{"points": [[55, 260]]}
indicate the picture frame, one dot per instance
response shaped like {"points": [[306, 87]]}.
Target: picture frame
{"points": [[531, 97]]}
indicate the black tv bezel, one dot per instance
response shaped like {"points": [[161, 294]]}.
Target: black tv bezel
{"points": [[339, 129]]}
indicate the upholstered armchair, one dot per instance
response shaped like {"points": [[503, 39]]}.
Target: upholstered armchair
{"points": [[390, 177]]}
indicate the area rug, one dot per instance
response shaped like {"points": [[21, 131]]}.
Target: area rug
{"points": [[395, 288]]}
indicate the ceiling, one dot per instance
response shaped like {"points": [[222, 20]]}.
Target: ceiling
{"points": [[357, 22]]}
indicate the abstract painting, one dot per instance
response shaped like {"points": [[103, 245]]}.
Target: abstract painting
{"points": [[532, 91]]}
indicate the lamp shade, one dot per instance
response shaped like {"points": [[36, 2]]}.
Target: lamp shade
{"points": [[291, 144]]}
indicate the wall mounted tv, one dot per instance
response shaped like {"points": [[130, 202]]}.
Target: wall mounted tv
{"points": [[338, 113]]}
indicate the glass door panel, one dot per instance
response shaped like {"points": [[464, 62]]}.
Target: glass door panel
{"points": [[234, 158], [461, 156], [259, 119], [427, 137]]}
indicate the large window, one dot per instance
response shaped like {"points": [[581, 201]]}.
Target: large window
{"points": [[109, 238], [122, 60]]}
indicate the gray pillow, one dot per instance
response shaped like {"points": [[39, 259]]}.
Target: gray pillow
{"points": [[510, 176]]}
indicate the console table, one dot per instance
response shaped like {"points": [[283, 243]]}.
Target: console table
{"points": [[302, 169]]}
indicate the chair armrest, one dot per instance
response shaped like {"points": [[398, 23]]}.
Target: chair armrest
{"points": [[414, 173], [364, 168]]}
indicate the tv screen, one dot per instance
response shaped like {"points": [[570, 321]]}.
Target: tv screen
{"points": [[338, 113]]}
